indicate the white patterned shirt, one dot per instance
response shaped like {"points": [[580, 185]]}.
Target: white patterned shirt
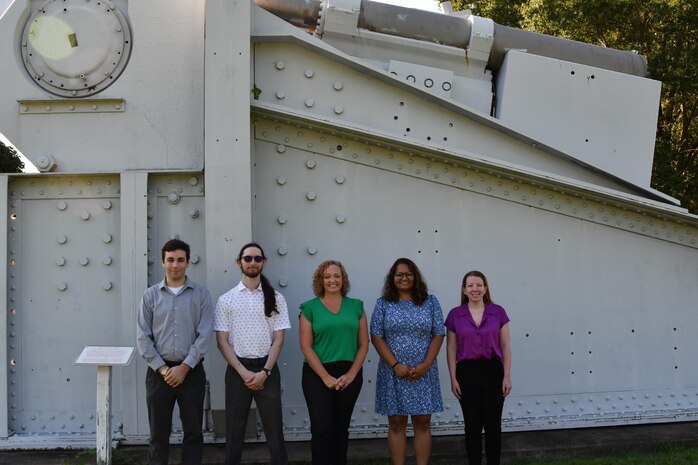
{"points": [[240, 313]]}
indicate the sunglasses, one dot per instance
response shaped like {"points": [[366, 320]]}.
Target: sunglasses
{"points": [[256, 258]]}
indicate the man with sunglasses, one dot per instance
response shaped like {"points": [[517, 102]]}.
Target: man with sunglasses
{"points": [[173, 332], [250, 321]]}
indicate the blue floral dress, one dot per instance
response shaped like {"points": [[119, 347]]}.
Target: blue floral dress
{"points": [[408, 331]]}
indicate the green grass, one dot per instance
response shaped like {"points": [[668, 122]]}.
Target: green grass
{"points": [[665, 455]]}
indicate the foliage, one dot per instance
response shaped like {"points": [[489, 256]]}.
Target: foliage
{"points": [[665, 32], [9, 160]]}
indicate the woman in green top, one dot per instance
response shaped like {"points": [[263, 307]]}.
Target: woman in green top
{"points": [[334, 341]]}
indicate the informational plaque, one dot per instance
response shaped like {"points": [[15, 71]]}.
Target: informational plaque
{"points": [[100, 355]]}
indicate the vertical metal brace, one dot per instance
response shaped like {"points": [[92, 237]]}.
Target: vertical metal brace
{"points": [[3, 307]]}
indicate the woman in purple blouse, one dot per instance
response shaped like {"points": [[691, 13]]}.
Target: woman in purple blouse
{"points": [[479, 361]]}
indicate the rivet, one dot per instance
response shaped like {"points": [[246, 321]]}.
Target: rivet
{"points": [[107, 285], [195, 259], [106, 238], [84, 261], [312, 250], [311, 195], [310, 103], [339, 179], [85, 216], [173, 198], [62, 239], [174, 236], [106, 204], [283, 282], [338, 85], [62, 205], [341, 219], [193, 181], [282, 219], [107, 260], [194, 213], [309, 73], [280, 94], [281, 148], [338, 110], [280, 65], [62, 286], [310, 164], [281, 180]]}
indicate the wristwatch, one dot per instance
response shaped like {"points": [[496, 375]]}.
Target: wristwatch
{"points": [[267, 371], [163, 370]]}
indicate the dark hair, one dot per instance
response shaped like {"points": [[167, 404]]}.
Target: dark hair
{"points": [[478, 274], [267, 290], [419, 289], [318, 288], [175, 244]]}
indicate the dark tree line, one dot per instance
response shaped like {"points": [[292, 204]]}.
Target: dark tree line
{"points": [[665, 31]]}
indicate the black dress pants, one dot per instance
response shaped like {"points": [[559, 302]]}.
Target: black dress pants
{"points": [[238, 399], [330, 413], [160, 400], [482, 402]]}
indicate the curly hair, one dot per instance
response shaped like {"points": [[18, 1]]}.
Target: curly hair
{"points": [[478, 274], [419, 289], [318, 286]]}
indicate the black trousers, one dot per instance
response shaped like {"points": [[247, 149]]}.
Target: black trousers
{"points": [[238, 399], [161, 400], [482, 402], [330, 413]]}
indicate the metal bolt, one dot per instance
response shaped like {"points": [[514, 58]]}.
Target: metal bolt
{"points": [[60, 261], [195, 259], [174, 236], [282, 219], [62, 239], [280, 65], [309, 73], [106, 204], [85, 216], [341, 219], [173, 198], [107, 238], [312, 250], [280, 94], [62, 205], [309, 103], [282, 251], [283, 282], [281, 180], [339, 179], [193, 181], [84, 261], [281, 148], [107, 285], [311, 195], [194, 213], [62, 286], [107, 260], [338, 85], [310, 164], [338, 110]]}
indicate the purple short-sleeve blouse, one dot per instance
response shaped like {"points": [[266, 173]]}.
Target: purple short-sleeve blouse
{"points": [[477, 343]]}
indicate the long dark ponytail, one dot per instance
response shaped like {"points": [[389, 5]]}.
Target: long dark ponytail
{"points": [[267, 290]]}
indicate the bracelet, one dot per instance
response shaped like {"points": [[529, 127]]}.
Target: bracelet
{"points": [[395, 364]]}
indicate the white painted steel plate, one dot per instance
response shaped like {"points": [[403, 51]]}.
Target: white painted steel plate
{"points": [[75, 48]]}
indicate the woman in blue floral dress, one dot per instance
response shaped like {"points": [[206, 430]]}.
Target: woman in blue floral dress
{"points": [[407, 330]]}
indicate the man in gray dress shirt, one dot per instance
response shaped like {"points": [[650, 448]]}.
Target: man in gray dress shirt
{"points": [[174, 326]]}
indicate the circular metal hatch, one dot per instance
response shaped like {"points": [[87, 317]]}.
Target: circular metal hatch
{"points": [[76, 48]]}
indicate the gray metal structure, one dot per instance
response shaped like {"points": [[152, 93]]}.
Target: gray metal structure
{"points": [[220, 122]]}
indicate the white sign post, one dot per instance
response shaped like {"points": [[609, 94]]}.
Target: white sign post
{"points": [[104, 358]]}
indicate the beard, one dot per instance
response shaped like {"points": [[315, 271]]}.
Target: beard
{"points": [[251, 273]]}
